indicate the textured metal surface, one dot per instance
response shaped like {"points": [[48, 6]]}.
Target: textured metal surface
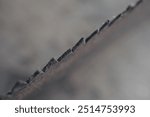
{"points": [[70, 60]]}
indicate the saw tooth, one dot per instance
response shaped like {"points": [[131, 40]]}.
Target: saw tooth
{"points": [[128, 9], [115, 19], [132, 6], [69, 51], [36, 73], [28, 80], [50, 63], [19, 85], [78, 44], [104, 25], [92, 35], [138, 2]]}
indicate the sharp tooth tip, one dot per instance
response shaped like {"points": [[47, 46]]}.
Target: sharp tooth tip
{"points": [[77, 45], [51, 62], [37, 72], [64, 55], [91, 35]]}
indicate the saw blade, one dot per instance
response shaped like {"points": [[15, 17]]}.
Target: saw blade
{"points": [[41, 83]]}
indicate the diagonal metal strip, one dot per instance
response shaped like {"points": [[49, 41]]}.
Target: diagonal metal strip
{"points": [[79, 55]]}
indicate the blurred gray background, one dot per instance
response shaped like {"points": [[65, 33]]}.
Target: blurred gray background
{"points": [[33, 31]]}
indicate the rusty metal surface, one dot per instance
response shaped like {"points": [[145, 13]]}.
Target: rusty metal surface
{"points": [[76, 64]]}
